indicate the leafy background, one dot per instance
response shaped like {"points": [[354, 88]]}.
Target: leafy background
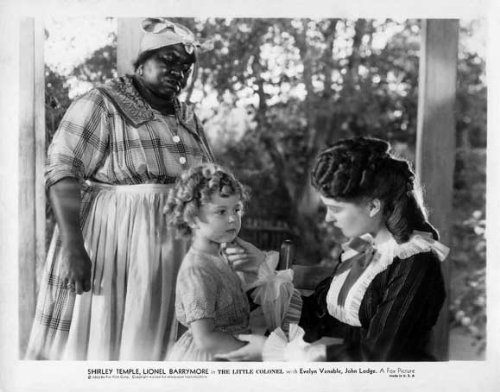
{"points": [[272, 92]]}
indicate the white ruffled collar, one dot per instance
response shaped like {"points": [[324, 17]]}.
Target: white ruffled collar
{"points": [[419, 242], [384, 255]]}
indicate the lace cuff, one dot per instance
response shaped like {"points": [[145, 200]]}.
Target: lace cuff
{"points": [[295, 349]]}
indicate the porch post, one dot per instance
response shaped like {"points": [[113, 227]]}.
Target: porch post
{"points": [[436, 140], [129, 38], [31, 167]]}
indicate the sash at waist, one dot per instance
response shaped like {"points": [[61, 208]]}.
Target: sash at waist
{"points": [[136, 188]]}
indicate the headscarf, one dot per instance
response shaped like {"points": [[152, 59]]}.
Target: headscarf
{"points": [[160, 32]]}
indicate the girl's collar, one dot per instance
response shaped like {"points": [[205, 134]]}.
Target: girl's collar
{"points": [[205, 253]]}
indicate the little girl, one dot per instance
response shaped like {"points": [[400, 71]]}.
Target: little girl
{"points": [[207, 204]]}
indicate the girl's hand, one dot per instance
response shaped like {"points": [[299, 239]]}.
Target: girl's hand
{"points": [[206, 338], [252, 351], [243, 256]]}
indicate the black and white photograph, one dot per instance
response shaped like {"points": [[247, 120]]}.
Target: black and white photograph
{"points": [[252, 194]]}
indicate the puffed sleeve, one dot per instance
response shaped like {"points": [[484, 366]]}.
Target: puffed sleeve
{"points": [[197, 293], [81, 140], [410, 306]]}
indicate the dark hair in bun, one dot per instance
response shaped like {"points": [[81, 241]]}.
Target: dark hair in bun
{"points": [[362, 168]]}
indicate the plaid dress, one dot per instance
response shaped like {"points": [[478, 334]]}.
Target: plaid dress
{"points": [[126, 156]]}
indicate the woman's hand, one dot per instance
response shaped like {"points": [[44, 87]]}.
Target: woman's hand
{"points": [[76, 268], [252, 351], [243, 256]]}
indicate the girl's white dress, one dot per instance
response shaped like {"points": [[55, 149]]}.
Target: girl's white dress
{"points": [[207, 288]]}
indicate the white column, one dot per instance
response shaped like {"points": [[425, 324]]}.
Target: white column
{"points": [[129, 38], [31, 167], [436, 138]]}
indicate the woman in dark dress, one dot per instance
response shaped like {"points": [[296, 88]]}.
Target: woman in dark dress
{"points": [[386, 292]]}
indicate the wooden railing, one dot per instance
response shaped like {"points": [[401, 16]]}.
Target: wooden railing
{"points": [[270, 235], [266, 234], [307, 277]]}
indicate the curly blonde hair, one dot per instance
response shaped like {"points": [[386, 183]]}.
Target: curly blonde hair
{"points": [[194, 188]]}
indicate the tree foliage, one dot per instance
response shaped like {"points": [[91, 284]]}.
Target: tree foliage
{"points": [[307, 83]]}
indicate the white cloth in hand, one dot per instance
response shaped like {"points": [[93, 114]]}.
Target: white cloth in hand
{"points": [[293, 349]]}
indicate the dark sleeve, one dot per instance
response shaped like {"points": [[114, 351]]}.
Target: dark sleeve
{"points": [[410, 306], [314, 318]]}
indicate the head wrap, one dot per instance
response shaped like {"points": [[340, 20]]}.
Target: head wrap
{"points": [[160, 32]]}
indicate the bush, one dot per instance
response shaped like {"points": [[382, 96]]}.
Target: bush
{"points": [[468, 262]]}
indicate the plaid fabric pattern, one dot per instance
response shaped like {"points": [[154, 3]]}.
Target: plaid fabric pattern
{"points": [[96, 141], [57, 317], [111, 135]]}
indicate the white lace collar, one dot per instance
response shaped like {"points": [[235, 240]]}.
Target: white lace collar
{"points": [[421, 242], [384, 256]]}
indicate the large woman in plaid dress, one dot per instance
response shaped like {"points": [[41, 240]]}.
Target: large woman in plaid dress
{"points": [[107, 292]]}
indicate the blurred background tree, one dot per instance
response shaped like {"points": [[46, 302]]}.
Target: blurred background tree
{"points": [[272, 92]]}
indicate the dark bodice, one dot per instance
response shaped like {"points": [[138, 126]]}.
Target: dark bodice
{"points": [[397, 313]]}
